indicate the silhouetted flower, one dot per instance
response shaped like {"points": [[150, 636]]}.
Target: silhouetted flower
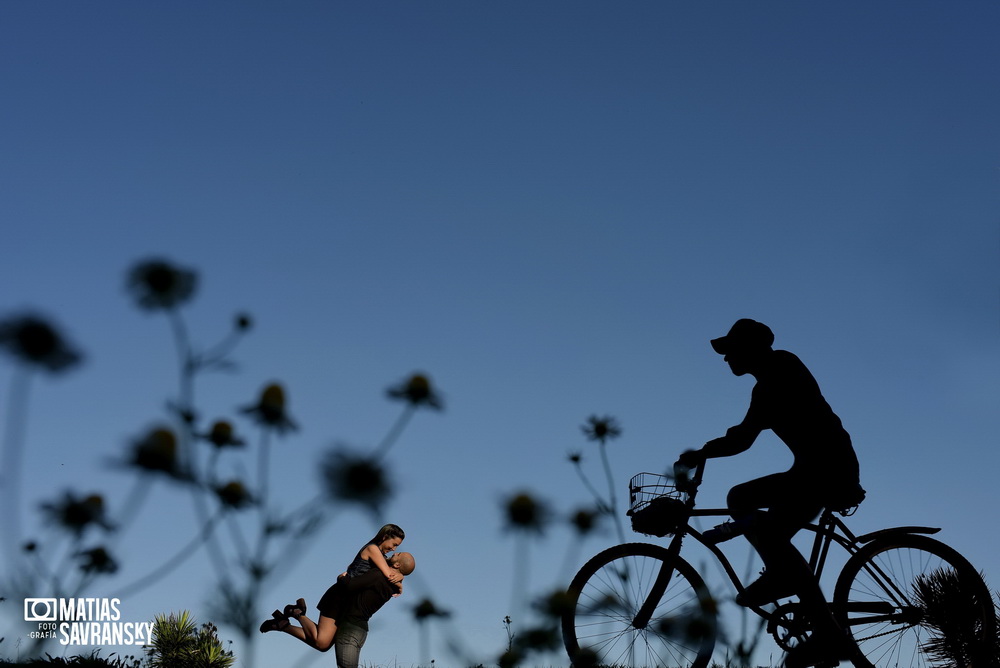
{"points": [[243, 321], [156, 452], [511, 658], [158, 284], [269, 411], [601, 429], [556, 605], [234, 495], [574, 457], [584, 520], [76, 514], [693, 626], [221, 435], [97, 560], [524, 513], [355, 478], [584, 658], [426, 609], [539, 639], [30, 546], [417, 390], [34, 341]]}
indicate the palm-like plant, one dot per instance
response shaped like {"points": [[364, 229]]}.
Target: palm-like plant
{"points": [[178, 643], [950, 603]]}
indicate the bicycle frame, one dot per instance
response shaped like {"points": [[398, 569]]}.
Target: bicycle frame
{"points": [[829, 529]]}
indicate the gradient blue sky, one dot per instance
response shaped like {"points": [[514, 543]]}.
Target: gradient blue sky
{"points": [[549, 208]]}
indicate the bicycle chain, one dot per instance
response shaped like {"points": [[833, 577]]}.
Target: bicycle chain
{"points": [[879, 635]]}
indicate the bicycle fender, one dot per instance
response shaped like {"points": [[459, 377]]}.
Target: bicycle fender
{"points": [[868, 537]]}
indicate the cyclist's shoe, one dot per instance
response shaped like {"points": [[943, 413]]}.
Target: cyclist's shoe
{"points": [[766, 589], [820, 651], [723, 532]]}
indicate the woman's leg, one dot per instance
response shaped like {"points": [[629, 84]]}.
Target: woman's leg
{"points": [[319, 635]]}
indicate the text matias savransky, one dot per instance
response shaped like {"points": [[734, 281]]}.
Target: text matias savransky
{"points": [[84, 621]]}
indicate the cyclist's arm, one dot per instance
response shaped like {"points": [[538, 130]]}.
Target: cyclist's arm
{"points": [[737, 439]]}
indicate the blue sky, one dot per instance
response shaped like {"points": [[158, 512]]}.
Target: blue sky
{"points": [[550, 208]]}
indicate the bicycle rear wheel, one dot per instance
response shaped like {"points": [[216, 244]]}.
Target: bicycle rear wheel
{"points": [[910, 601], [599, 627]]}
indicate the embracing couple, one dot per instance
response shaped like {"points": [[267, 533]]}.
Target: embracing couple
{"points": [[344, 610]]}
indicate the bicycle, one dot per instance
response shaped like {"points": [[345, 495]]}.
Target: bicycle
{"points": [[640, 604]]}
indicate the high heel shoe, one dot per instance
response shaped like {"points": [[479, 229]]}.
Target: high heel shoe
{"points": [[297, 609], [278, 622]]}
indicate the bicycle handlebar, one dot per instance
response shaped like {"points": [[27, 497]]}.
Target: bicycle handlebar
{"points": [[686, 482]]}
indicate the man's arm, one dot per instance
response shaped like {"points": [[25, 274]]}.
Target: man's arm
{"points": [[737, 439], [363, 581]]}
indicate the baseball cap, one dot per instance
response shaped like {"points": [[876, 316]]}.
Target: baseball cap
{"points": [[746, 334]]}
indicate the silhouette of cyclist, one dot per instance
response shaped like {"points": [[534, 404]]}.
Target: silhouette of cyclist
{"points": [[770, 510]]}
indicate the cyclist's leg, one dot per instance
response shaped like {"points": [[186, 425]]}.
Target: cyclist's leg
{"points": [[787, 498], [771, 533]]}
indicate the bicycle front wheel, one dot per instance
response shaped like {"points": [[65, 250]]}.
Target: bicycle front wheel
{"points": [[603, 625], [910, 601]]}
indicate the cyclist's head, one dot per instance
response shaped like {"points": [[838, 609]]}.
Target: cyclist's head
{"points": [[744, 347], [746, 336]]}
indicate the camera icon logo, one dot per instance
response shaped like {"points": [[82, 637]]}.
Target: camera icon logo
{"points": [[40, 609]]}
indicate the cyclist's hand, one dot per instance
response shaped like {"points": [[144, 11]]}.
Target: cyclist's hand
{"points": [[691, 459]]}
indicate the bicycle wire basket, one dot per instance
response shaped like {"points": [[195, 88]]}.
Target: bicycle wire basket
{"points": [[655, 505]]}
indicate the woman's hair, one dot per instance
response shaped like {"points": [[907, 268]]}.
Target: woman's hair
{"points": [[387, 532]]}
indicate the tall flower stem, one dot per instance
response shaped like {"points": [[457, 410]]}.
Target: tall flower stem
{"points": [[395, 431], [171, 564], [263, 472], [612, 500], [13, 455], [519, 583], [602, 504]]}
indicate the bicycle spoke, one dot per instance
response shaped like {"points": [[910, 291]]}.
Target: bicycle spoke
{"points": [[612, 588], [879, 602]]}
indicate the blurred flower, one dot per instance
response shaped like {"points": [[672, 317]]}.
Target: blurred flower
{"points": [[243, 322], [156, 452], [524, 513], [76, 514], [158, 284], [511, 658], [97, 560], [539, 639], [222, 436], [574, 457], [30, 546], [556, 605], [601, 429], [689, 626], [426, 609], [355, 478], [234, 495], [33, 341], [584, 658], [585, 520], [269, 411], [417, 390]]}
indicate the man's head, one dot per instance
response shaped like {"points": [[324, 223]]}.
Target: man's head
{"points": [[403, 562], [746, 344]]}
